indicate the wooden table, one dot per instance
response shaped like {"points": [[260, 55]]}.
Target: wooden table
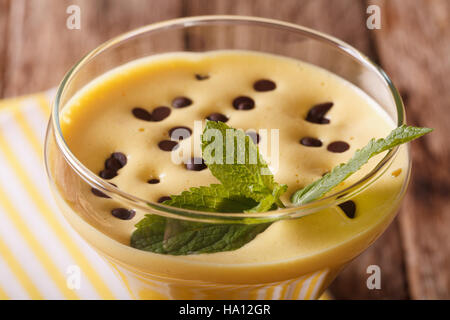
{"points": [[413, 46]]}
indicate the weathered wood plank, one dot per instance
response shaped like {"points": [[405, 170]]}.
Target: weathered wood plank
{"points": [[414, 49], [344, 19], [40, 48]]}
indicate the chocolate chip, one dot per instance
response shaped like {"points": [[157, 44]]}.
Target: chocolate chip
{"points": [[311, 142], [338, 146], [243, 103], [116, 161], [160, 113], [196, 164], [142, 114], [217, 117], [98, 193], [108, 174], [179, 133], [164, 198], [123, 214], [201, 76], [153, 181], [181, 102], [120, 157], [112, 164], [349, 208], [168, 145], [264, 85], [254, 136], [317, 113]]}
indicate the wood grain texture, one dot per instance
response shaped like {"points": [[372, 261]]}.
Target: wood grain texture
{"points": [[414, 49], [36, 49], [343, 19], [41, 48]]}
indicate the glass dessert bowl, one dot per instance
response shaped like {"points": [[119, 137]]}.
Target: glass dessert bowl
{"points": [[108, 155]]}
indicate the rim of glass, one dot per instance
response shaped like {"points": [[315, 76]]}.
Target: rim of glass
{"points": [[164, 210]]}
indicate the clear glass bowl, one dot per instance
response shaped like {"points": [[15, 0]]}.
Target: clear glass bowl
{"points": [[155, 276]]}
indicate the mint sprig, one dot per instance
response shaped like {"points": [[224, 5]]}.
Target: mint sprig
{"points": [[319, 187], [247, 186]]}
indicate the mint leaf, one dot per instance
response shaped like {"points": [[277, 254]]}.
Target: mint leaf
{"points": [[235, 161], [177, 237], [318, 188], [215, 198], [247, 186]]}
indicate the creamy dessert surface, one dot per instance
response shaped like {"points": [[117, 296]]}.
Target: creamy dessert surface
{"points": [[103, 119]]}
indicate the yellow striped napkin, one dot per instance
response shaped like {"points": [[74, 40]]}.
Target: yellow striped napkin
{"points": [[39, 251]]}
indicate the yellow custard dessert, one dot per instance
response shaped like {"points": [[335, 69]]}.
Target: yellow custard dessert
{"points": [[119, 126]]}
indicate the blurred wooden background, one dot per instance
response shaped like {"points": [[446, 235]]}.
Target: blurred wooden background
{"points": [[413, 46]]}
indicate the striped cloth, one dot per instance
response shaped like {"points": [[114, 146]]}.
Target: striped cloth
{"points": [[39, 251]]}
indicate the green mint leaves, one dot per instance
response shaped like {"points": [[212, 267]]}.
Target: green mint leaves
{"points": [[247, 185], [319, 187], [178, 237], [214, 198], [235, 161]]}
